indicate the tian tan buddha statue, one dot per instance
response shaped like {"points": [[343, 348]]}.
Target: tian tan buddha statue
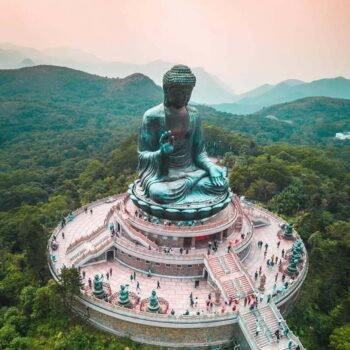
{"points": [[174, 169]]}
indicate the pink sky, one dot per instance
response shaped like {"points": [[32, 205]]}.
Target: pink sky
{"points": [[246, 43]]}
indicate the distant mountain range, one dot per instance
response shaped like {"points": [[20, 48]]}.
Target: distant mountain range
{"points": [[209, 89], [288, 90], [56, 99]]}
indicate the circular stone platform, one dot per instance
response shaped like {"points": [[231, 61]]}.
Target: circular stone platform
{"points": [[208, 293]]}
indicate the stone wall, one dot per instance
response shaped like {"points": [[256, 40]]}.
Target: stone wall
{"points": [[159, 268], [174, 337]]}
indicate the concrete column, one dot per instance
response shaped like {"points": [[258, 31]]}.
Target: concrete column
{"points": [[193, 243], [220, 236]]}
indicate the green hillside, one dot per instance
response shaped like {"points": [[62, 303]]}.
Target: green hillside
{"points": [[311, 121], [68, 138]]}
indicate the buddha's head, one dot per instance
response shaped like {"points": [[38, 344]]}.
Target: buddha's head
{"points": [[178, 84]]}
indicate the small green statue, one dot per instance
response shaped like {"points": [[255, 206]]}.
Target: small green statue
{"points": [[288, 231], [98, 287], [153, 305], [292, 267], [123, 299]]}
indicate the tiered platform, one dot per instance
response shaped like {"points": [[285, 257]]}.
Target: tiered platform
{"points": [[114, 238]]}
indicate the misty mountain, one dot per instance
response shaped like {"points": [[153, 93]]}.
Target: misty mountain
{"points": [[60, 85], [209, 89], [60, 99], [286, 91]]}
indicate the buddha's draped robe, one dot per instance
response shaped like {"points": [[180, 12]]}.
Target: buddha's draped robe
{"points": [[181, 175]]}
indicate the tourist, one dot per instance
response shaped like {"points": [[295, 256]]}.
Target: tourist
{"points": [[172, 312], [290, 344], [85, 210], [110, 271], [83, 274], [107, 275], [134, 276], [273, 257], [256, 275], [131, 278], [257, 330], [234, 307], [283, 277], [268, 262], [245, 301], [138, 286], [278, 244], [242, 236], [209, 245], [62, 234], [276, 259], [186, 313], [280, 263], [158, 284], [276, 277], [228, 249], [269, 297], [282, 253], [261, 297], [181, 250], [209, 296], [266, 246], [277, 335], [265, 253], [260, 270], [91, 211], [90, 282], [223, 309]]}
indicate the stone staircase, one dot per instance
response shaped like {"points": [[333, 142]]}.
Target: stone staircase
{"points": [[134, 233], [232, 263], [216, 267], [251, 321], [227, 271], [268, 322]]}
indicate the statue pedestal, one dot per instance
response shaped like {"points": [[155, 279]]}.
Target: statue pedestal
{"points": [[196, 210], [100, 294]]}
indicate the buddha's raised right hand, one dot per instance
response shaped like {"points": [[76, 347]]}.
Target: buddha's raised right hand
{"points": [[166, 142]]}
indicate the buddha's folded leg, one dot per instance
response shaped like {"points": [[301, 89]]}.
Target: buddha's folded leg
{"points": [[206, 186], [168, 191], [171, 191]]}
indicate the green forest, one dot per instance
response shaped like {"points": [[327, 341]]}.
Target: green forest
{"points": [[68, 138]]}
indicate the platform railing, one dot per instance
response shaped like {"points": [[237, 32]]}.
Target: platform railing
{"points": [[165, 229], [168, 318]]}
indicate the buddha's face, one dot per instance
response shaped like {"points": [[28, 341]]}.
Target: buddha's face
{"points": [[178, 95]]}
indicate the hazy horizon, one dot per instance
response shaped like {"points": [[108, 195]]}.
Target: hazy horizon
{"points": [[244, 43]]}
